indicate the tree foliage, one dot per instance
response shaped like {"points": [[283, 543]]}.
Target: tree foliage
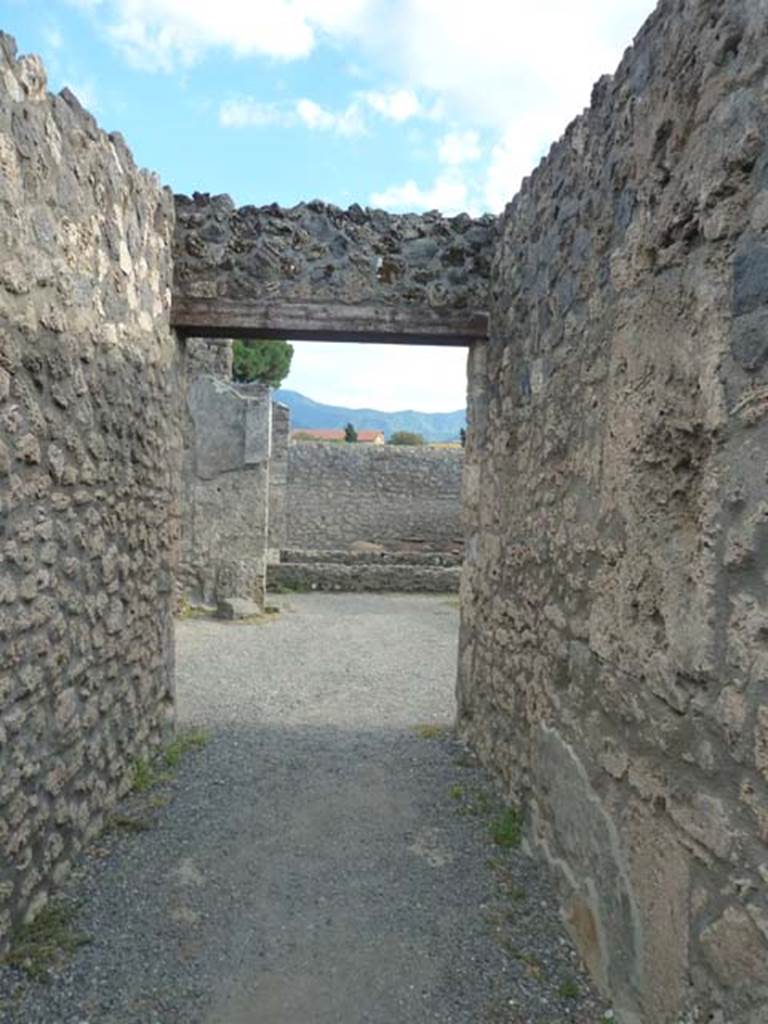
{"points": [[405, 437], [265, 361], [350, 434]]}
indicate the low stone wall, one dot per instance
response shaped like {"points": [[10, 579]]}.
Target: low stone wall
{"points": [[435, 559], [363, 577], [613, 643], [89, 471], [388, 494]]}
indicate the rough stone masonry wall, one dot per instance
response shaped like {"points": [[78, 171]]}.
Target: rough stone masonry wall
{"points": [[316, 252], [89, 450], [386, 494], [225, 481], [614, 643], [278, 481]]}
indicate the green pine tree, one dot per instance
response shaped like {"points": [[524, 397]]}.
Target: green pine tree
{"points": [[265, 361]]}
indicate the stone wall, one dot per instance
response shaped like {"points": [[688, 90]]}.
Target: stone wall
{"points": [[614, 667], [89, 458], [206, 356], [318, 271], [225, 483], [278, 481], [385, 494], [318, 252]]}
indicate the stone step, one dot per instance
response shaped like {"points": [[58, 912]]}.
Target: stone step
{"points": [[327, 557], [364, 577]]}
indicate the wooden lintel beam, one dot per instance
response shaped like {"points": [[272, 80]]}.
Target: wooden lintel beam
{"points": [[326, 321]]}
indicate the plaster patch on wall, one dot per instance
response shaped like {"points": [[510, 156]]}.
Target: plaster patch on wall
{"points": [[580, 840]]}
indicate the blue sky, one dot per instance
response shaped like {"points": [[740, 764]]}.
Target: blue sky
{"points": [[405, 104]]}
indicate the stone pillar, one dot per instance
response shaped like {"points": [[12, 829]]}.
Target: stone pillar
{"points": [[226, 495], [278, 481]]}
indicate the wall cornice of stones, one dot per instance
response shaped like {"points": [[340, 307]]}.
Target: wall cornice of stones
{"points": [[316, 252]]}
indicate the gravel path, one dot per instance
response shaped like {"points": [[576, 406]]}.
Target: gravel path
{"points": [[322, 860]]}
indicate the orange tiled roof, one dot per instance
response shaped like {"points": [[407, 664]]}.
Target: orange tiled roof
{"points": [[320, 434]]}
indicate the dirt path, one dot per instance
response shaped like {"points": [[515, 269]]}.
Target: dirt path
{"points": [[322, 861]]}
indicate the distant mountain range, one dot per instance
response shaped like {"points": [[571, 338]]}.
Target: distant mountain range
{"points": [[433, 426]]}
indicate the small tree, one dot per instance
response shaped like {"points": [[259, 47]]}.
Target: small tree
{"points": [[350, 434], [406, 437], [266, 361]]}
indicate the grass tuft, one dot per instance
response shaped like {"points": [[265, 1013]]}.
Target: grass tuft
{"points": [[431, 731], [147, 773], [146, 776], [193, 739], [38, 946], [507, 829], [125, 823], [569, 989], [187, 611]]}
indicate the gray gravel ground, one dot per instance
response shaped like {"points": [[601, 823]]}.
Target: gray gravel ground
{"points": [[321, 861]]}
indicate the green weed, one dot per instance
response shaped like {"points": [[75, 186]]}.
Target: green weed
{"points": [[568, 989], [430, 731], [192, 739], [146, 776], [38, 946], [187, 611], [507, 829], [125, 823]]}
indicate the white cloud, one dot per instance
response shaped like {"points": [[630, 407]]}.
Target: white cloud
{"points": [[483, 57], [53, 37], [491, 57], [346, 123], [386, 377], [518, 71], [521, 70], [249, 112], [448, 193], [161, 34], [459, 148], [516, 153], [396, 105], [451, 192]]}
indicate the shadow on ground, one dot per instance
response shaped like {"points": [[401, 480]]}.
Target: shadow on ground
{"points": [[316, 872]]}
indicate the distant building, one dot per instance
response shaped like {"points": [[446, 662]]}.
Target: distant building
{"points": [[315, 434]]}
